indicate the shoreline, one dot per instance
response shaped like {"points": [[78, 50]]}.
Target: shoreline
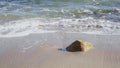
{"points": [[59, 31]]}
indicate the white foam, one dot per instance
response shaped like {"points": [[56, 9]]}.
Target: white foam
{"points": [[87, 25], [23, 27]]}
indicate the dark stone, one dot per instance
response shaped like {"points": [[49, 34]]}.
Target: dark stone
{"points": [[74, 47]]}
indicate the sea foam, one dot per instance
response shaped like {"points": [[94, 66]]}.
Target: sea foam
{"points": [[87, 25]]}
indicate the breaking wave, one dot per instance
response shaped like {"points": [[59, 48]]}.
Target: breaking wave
{"points": [[23, 17]]}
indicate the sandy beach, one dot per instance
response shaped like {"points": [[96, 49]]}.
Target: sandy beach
{"points": [[35, 33], [47, 50]]}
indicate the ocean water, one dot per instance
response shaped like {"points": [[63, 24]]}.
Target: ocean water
{"points": [[23, 17]]}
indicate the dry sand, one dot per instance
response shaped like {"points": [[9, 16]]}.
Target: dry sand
{"points": [[44, 51]]}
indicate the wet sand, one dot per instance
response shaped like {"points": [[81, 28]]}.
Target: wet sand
{"points": [[44, 51]]}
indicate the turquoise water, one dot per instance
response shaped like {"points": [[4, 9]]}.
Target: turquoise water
{"points": [[23, 17]]}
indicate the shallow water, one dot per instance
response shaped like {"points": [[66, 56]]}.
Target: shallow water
{"points": [[23, 17]]}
